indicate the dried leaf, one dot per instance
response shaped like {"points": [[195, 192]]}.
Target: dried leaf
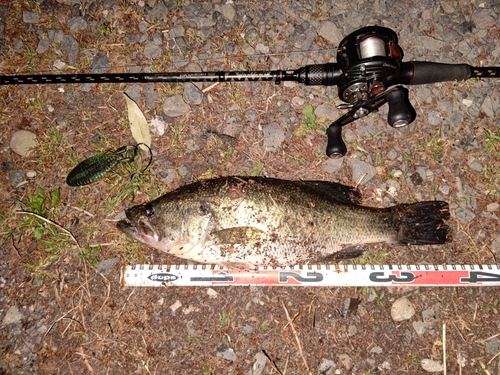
{"points": [[138, 123]]}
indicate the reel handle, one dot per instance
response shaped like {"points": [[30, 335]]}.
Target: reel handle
{"points": [[399, 114], [335, 147]]}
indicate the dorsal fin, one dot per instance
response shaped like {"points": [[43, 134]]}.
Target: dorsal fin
{"points": [[343, 193]]}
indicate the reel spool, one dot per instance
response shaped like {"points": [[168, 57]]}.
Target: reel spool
{"points": [[369, 58]]}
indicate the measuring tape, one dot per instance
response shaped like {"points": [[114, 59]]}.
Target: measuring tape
{"points": [[146, 275]]}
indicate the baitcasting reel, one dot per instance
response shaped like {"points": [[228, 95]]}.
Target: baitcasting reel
{"points": [[369, 73], [369, 59]]}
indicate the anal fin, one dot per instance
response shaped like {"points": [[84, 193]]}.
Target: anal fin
{"points": [[348, 252]]}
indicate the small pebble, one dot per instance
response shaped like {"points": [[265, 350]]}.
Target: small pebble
{"points": [[158, 126], [248, 329], [175, 106], [492, 207], [431, 365], [228, 11], [58, 64], [361, 171], [23, 142], [175, 306], [492, 346], [107, 266], [192, 93], [376, 350], [464, 215], [212, 293], [12, 316], [346, 361], [16, 177], [444, 189], [333, 165], [326, 366], [226, 353], [331, 33], [402, 309], [30, 17], [96, 138], [273, 136], [467, 102], [420, 327], [259, 364], [326, 111], [7, 165], [298, 102], [495, 245]]}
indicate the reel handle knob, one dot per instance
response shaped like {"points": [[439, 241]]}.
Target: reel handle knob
{"points": [[336, 147], [399, 114]]}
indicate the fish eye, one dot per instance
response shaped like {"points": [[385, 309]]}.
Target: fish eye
{"points": [[149, 210]]}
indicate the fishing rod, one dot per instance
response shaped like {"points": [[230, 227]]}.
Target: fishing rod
{"points": [[369, 73]]}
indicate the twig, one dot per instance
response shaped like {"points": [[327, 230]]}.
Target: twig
{"points": [[314, 312], [84, 357], [360, 180], [84, 211], [484, 368], [491, 360], [271, 361], [444, 348], [108, 285], [124, 304], [299, 345], [51, 222], [286, 365], [292, 320], [210, 87], [489, 338], [57, 320], [460, 333]]}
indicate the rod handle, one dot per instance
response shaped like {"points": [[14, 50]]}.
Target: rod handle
{"points": [[423, 72]]}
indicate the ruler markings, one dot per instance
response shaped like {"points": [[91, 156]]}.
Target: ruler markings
{"points": [[146, 275]]}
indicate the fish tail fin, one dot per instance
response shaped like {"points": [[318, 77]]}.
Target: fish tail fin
{"points": [[422, 223]]}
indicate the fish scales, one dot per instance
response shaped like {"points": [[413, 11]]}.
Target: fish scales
{"points": [[262, 221]]}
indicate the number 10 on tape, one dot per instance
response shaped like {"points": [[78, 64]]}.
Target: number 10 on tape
{"points": [[146, 275]]}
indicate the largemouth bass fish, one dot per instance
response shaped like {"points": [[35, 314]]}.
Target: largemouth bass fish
{"points": [[252, 221]]}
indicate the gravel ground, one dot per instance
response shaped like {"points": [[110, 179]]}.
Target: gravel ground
{"points": [[62, 307]]}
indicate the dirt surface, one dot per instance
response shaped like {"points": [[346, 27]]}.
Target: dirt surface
{"points": [[62, 306]]}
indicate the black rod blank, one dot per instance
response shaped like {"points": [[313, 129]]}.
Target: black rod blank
{"points": [[324, 74]]}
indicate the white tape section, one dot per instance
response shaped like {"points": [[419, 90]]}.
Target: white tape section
{"points": [[145, 275]]}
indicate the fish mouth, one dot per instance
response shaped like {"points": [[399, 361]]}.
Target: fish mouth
{"points": [[142, 231]]}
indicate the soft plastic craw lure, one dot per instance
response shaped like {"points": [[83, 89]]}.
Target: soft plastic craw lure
{"points": [[94, 168]]}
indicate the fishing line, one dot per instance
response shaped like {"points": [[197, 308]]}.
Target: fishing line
{"points": [[128, 67]]}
